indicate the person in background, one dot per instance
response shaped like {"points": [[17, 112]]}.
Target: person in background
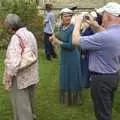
{"points": [[70, 68], [49, 25], [104, 58], [87, 31], [85, 60], [20, 82]]}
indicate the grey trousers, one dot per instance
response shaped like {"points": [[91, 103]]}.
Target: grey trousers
{"points": [[22, 102], [103, 88]]}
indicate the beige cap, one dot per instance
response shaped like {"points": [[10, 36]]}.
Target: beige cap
{"points": [[111, 7], [66, 10]]}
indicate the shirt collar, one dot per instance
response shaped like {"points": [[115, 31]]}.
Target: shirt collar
{"points": [[21, 30], [113, 26]]}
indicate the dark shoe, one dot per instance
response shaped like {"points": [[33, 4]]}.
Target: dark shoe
{"points": [[54, 55], [48, 57]]}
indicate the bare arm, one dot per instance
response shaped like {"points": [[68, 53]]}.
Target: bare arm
{"points": [[95, 26], [76, 31]]}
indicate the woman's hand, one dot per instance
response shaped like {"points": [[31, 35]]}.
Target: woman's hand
{"points": [[8, 82], [53, 40]]}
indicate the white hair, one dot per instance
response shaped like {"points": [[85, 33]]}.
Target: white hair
{"points": [[12, 21]]}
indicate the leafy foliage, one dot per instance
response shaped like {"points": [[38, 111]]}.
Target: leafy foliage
{"points": [[26, 10]]}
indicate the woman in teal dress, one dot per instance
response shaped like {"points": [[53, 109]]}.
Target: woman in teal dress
{"points": [[70, 69]]}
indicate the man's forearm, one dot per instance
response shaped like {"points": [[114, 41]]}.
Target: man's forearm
{"points": [[96, 27], [76, 34]]}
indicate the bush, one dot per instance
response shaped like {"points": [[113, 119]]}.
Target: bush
{"points": [[4, 35], [25, 10], [36, 26], [28, 13]]}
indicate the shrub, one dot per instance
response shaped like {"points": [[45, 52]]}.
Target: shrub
{"points": [[36, 26], [28, 13]]}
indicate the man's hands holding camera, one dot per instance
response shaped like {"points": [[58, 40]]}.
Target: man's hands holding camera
{"points": [[84, 18]]}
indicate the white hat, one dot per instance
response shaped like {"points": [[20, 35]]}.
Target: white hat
{"points": [[111, 7], [66, 10]]}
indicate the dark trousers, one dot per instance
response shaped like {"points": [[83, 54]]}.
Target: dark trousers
{"points": [[102, 92], [49, 48]]}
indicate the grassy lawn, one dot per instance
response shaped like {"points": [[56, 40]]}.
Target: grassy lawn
{"points": [[47, 105]]}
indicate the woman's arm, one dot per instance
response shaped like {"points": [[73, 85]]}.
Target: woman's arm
{"points": [[12, 61]]}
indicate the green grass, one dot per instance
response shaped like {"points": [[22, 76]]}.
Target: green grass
{"points": [[47, 106]]}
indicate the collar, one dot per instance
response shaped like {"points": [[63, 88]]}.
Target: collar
{"points": [[21, 30], [113, 26]]}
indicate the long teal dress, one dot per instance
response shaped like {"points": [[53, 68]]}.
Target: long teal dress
{"points": [[70, 69]]}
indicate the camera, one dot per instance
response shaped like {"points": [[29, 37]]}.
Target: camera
{"points": [[86, 18]]}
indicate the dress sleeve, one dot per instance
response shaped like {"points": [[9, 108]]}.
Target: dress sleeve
{"points": [[68, 45], [13, 56]]}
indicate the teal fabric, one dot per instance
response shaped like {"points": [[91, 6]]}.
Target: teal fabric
{"points": [[70, 69]]}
